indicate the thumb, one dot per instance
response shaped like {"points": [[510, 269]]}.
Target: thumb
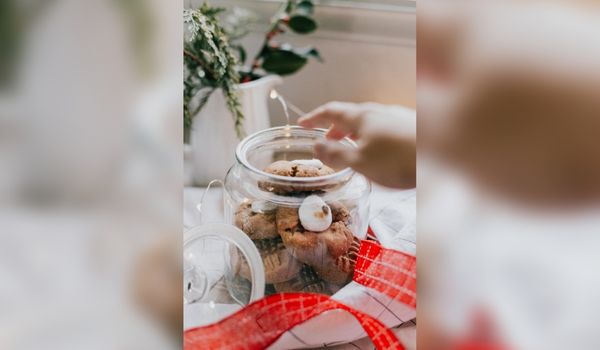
{"points": [[336, 155]]}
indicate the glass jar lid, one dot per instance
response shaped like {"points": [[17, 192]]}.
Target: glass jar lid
{"points": [[223, 272]]}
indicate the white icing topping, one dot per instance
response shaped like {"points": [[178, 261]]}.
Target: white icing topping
{"points": [[315, 163], [315, 214]]}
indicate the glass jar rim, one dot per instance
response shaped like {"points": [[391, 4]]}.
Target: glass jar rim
{"points": [[245, 144]]}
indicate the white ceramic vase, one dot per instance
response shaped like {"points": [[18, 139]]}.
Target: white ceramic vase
{"points": [[213, 138]]}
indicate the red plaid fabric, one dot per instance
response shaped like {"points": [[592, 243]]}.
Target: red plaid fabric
{"points": [[388, 271], [261, 323]]}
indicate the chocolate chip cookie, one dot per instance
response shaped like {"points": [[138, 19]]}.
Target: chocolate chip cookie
{"points": [[306, 281], [278, 261], [256, 225], [291, 169], [318, 249], [341, 271]]}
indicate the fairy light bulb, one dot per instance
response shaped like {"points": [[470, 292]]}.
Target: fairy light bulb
{"points": [[276, 96], [287, 129]]}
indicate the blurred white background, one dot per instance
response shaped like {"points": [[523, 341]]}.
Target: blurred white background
{"points": [[91, 159]]}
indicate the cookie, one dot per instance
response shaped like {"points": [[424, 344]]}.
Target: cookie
{"points": [[293, 169], [341, 271], [306, 281], [340, 213], [298, 170], [278, 261], [256, 225], [317, 249]]}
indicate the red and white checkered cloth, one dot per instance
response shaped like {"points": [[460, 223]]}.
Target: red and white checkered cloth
{"points": [[381, 297]]}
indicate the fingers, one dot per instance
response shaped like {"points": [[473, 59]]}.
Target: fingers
{"points": [[339, 131], [336, 155], [324, 116], [343, 118]]}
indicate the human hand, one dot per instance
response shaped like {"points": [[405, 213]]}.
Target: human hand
{"points": [[386, 136], [508, 92]]}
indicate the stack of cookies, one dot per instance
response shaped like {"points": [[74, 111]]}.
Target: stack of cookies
{"points": [[306, 249]]}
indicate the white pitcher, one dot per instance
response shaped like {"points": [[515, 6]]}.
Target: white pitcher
{"points": [[213, 138]]}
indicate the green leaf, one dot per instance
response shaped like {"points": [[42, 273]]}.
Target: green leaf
{"points": [[207, 10], [306, 6], [309, 51], [282, 61], [289, 6], [241, 53], [302, 24]]}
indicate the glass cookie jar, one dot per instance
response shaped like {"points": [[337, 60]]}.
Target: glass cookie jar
{"points": [[304, 217]]}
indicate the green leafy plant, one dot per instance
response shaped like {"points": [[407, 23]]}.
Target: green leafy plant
{"points": [[209, 64], [214, 58], [283, 59]]}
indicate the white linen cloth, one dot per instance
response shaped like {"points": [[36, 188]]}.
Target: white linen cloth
{"points": [[392, 218]]}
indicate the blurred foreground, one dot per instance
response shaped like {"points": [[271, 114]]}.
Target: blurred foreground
{"points": [[90, 187], [509, 174]]}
